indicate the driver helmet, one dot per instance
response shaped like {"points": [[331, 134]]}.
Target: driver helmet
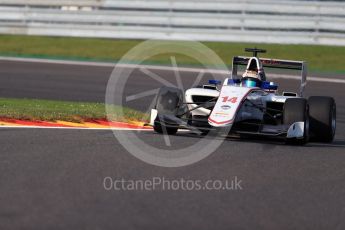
{"points": [[254, 74]]}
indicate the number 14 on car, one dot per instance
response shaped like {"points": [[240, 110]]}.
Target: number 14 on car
{"points": [[232, 100]]}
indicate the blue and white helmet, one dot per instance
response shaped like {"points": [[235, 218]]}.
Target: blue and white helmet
{"points": [[254, 74]]}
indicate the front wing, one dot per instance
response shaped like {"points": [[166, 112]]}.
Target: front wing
{"points": [[296, 130]]}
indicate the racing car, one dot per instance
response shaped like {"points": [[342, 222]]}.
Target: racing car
{"points": [[248, 104]]}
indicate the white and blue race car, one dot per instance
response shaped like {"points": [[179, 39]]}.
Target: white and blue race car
{"points": [[248, 105]]}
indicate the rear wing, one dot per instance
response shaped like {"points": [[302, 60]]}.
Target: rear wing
{"points": [[274, 63]]}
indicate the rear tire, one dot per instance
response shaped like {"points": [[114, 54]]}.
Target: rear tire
{"points": [[322, 112], [296, 110], [168, 102]]}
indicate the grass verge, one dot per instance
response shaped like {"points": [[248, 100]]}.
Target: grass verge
{"points": [[49, 110], [320, 58]]}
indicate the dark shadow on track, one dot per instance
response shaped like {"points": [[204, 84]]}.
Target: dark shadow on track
{"points": [[334, 144], [265, 140]]}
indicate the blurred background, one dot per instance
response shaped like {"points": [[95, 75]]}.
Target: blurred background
{"points": [[107, 29], [268, 21]]}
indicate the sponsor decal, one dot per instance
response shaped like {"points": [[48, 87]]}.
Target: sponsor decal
{"points": [[226, 107], [220, 114]]}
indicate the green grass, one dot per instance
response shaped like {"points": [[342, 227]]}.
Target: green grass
{"points": [[320, 58], [49, 110]]}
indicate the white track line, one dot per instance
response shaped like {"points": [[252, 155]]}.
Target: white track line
{"points": [[164, 68], [71, 128], [62, 62]]}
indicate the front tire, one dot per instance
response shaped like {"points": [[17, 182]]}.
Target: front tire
{"points": [[296, 110], [168, 102], [322, 112], [163, 129]]}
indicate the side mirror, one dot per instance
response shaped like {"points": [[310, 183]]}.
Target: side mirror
{"points": [[214, 82], [234, 81], [269, 85]]}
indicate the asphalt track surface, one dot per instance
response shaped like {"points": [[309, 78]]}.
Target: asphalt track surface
{"points": [[53, 179]]}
